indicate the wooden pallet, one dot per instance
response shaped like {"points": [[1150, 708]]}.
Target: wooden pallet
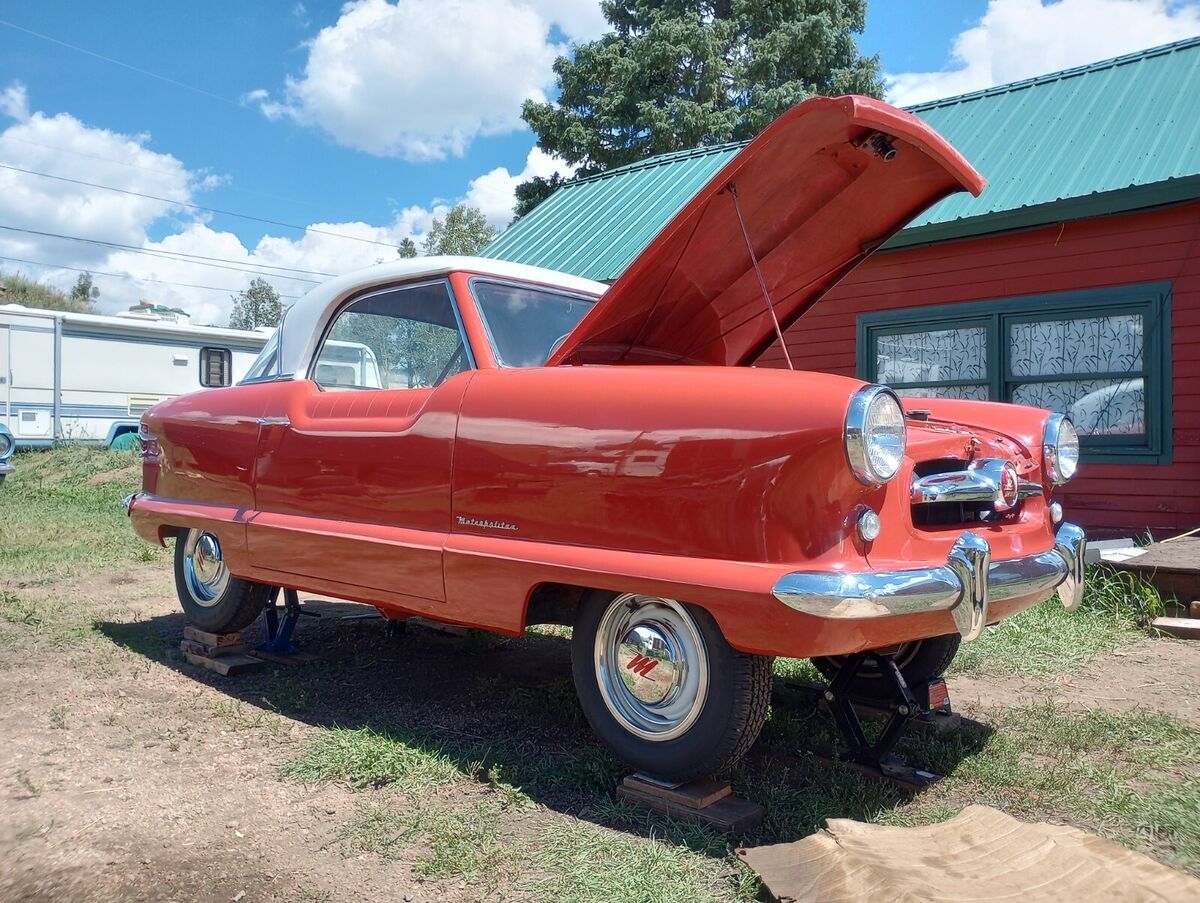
{"points": [[224, 653], [704, 802]]}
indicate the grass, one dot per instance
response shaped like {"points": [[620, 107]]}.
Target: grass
{"points": [[60, 514], [1047, 639]]}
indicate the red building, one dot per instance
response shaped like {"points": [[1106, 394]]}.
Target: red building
{"points": [[1072, 283]]}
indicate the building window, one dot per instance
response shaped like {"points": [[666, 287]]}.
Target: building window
{"points": [[1101, 356], [216, 367]]}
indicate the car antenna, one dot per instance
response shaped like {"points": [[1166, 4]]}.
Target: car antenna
{"points": [[762, 282]]}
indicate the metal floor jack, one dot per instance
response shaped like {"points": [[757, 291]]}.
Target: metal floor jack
{"points": [[279, 630], [904, 705]]}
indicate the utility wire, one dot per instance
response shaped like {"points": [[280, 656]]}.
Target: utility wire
{"points": [[152, 197], [90, 272], [220, 263], [109, 59], [8, 136]]}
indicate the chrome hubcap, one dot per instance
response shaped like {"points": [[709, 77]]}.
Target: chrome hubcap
{"points": [[652, 666], [204, 569]]}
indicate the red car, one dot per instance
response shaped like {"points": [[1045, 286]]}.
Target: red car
{"points": [[495, 445]]}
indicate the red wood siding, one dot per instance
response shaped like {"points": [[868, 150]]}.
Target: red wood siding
{"points": [[1161, 245]]}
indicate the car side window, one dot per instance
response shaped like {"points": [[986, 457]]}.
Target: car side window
{"points": [[400, 338]]}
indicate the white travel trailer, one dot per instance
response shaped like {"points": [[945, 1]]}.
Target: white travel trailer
{"points": [[88, 378]]}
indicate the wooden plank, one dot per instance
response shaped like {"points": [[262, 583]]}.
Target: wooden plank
{"points": [[211, 639], [226, 665], [204, 649], [696, 794], [731, 815], [1183, 628]]}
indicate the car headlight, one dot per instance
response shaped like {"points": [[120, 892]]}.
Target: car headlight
{"points": [[1060, 449], [6, 444], [875, 435]]}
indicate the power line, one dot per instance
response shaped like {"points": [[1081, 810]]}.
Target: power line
{"points": [[109, 59], [90, 272], [220, 263], [152, 197], [8, 136]]}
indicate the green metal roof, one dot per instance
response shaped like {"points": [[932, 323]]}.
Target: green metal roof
{"points": [[1123, 134]]}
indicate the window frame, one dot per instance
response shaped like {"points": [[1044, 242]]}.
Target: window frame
{"points": [[1152, 300], [331, 321], [205, 352], [517, 283]]}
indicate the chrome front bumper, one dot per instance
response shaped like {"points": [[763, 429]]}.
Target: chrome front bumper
{"points": [[6, 469], [964, 585]]}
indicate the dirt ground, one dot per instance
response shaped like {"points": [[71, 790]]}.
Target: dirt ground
{"points": [[129, 774]]}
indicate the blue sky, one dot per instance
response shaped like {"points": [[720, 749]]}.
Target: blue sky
{"points": [[435, 110]]}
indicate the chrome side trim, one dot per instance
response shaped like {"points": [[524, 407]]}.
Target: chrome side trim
{"points": [[965, 585], [274, 421]]}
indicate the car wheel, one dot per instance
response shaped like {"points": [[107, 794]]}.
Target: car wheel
{"points": [[212, 598], [661, 687], [919, 661]]}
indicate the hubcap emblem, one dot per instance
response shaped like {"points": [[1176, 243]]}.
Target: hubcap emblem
{"points": [[651, 668]]}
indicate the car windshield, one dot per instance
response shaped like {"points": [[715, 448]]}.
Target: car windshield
{"points": [[527, 323]]}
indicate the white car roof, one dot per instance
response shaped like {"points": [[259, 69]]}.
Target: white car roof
{"points": [[307, 318]]}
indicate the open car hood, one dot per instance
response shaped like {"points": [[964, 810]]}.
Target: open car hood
{"points": [[817, 198]]}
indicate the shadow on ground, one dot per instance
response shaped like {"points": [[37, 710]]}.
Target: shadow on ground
{"points": [[504, 710]]}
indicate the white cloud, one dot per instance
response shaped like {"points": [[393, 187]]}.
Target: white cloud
{"points": [[422, 80], [1019, 39], [62, 145], [494, 193], [14, 102]]}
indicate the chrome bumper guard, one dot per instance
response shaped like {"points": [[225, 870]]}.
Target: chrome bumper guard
{"points": [[127, 503], [964, 586], [6, 469]]}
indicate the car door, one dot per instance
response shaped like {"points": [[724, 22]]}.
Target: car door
{"points": [[352, 480]]}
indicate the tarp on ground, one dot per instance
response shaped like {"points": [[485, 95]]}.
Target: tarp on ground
{"points": [[980, 854]]}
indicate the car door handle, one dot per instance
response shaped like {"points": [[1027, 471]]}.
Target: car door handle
{"points": [[274, 421]]}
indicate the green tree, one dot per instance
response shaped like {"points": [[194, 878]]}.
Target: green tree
{"points": [[407, 248], [258, 305], [677, 74], [84, 293], [533, 192], [463, 231]]}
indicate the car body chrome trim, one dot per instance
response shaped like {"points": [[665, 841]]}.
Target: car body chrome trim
{"points": [[964, 586], [127, 503], [6, 469], [980, 482]]}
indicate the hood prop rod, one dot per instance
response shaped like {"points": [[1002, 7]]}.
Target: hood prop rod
{"points": [[762, 282]]}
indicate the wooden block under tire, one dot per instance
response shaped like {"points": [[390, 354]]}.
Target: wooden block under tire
{"points": [[695, 794], [225, 664], [729, 814], [197, 635]]}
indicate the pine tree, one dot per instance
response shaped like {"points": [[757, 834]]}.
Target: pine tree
{"points": [[677, 74]]}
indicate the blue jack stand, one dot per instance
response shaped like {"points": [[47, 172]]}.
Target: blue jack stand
{"points": [[279, 633]]}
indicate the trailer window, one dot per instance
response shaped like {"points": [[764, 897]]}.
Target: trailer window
{"points": [[216, 367]]}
